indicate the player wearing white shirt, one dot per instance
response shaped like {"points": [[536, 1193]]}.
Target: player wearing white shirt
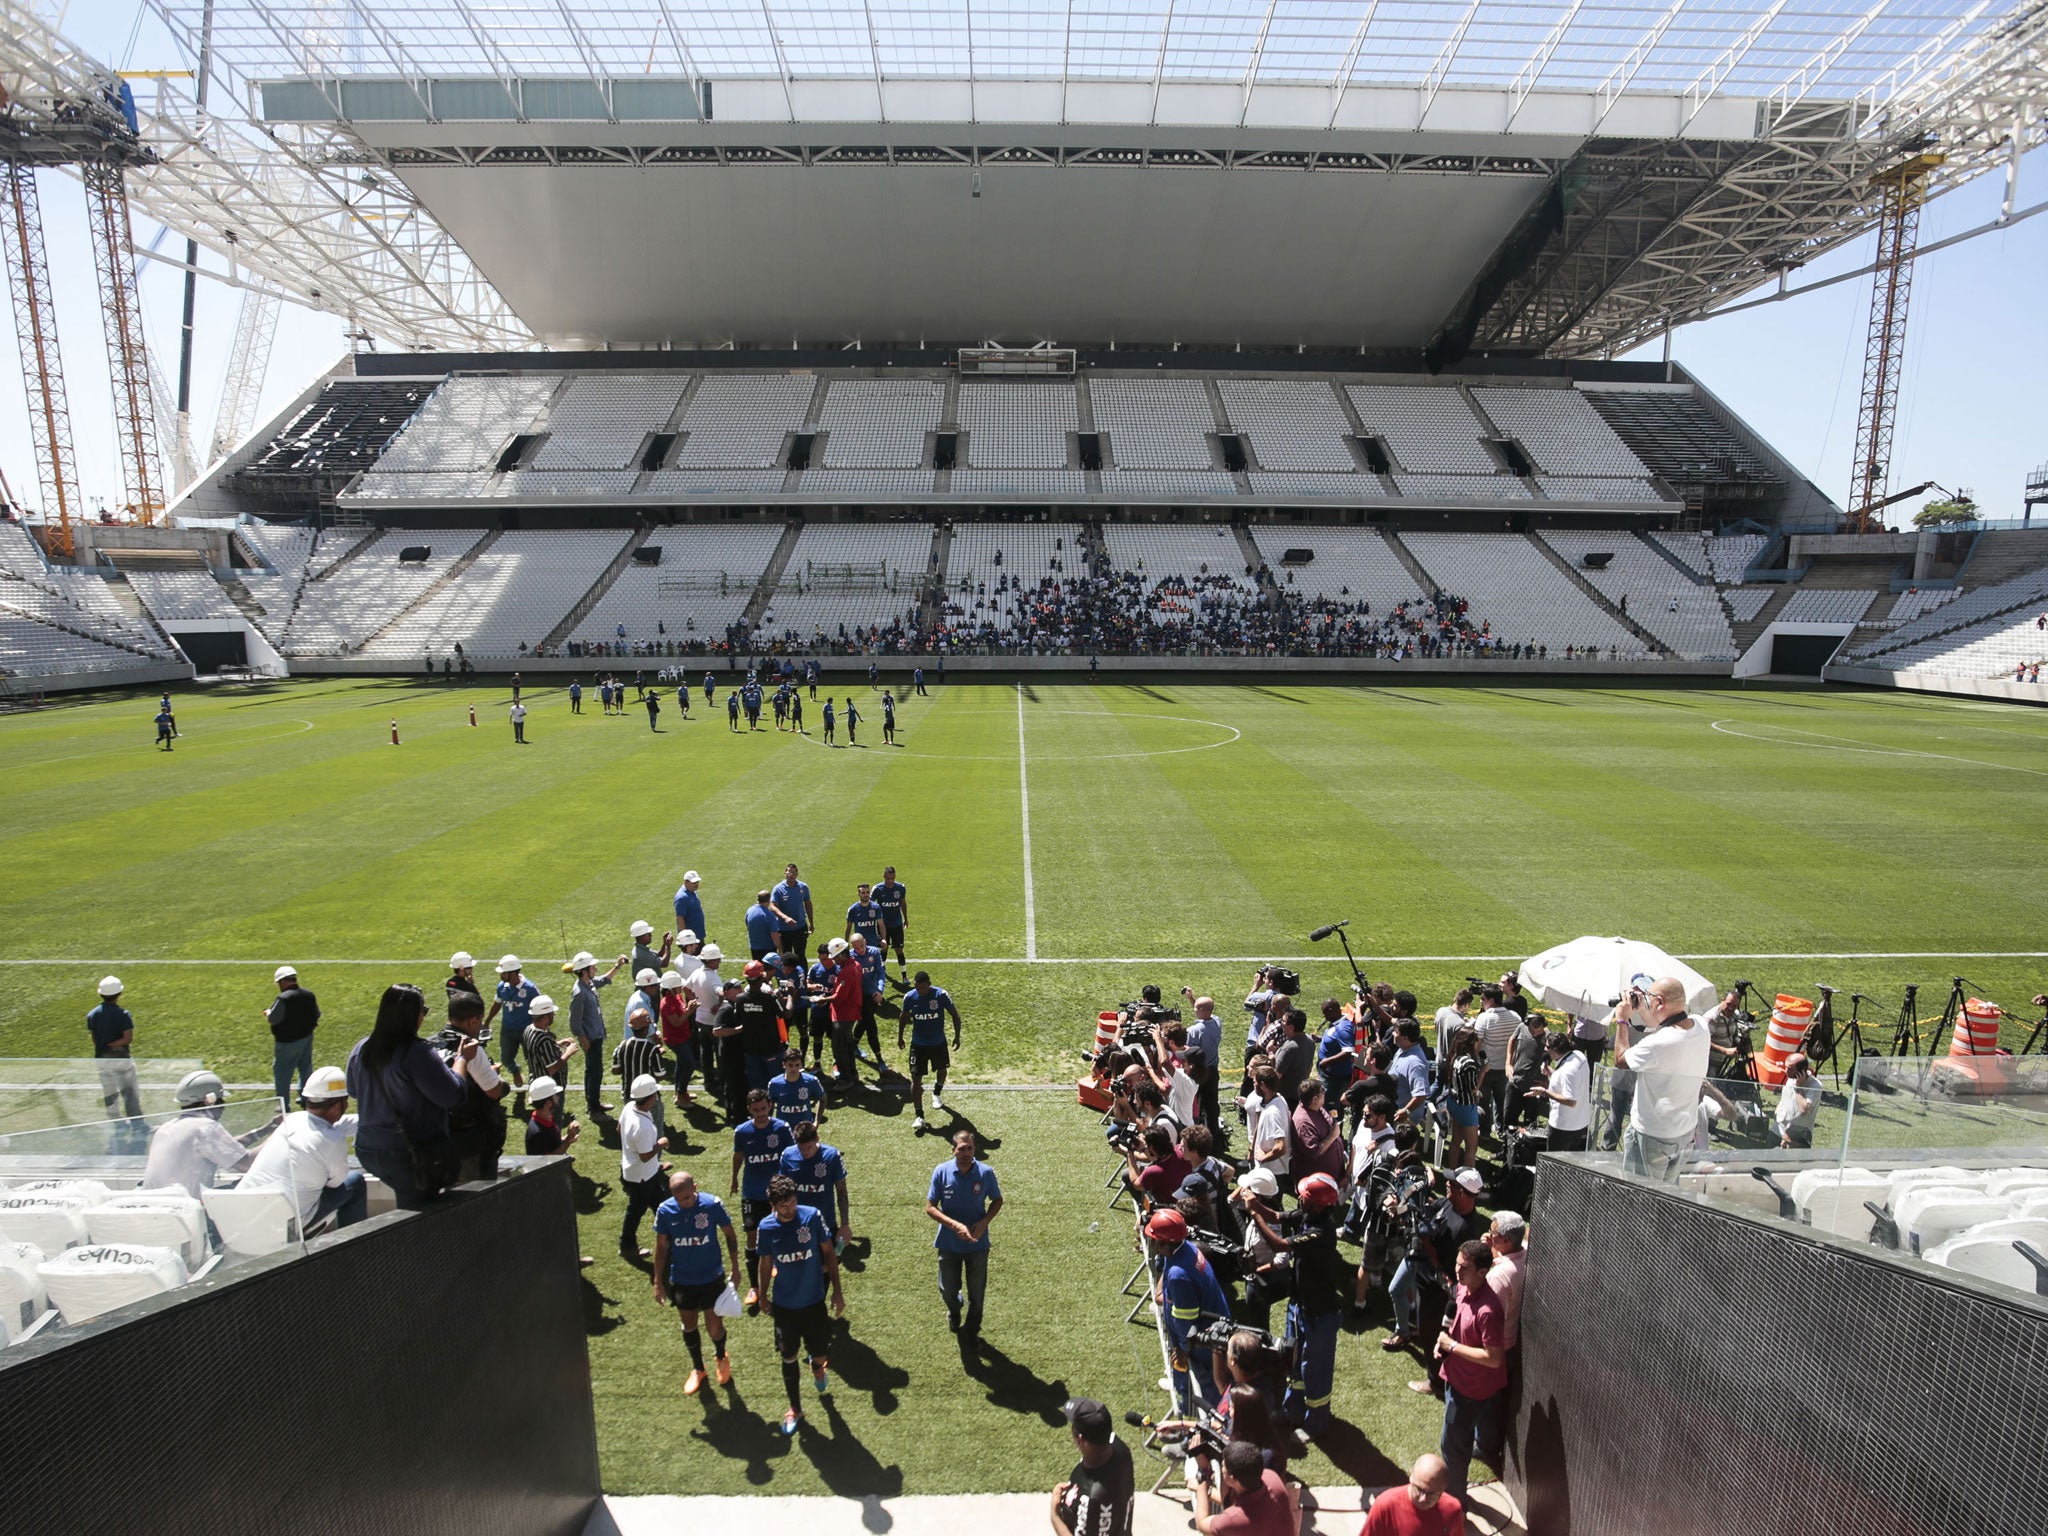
{"points": [[307, 1156]]}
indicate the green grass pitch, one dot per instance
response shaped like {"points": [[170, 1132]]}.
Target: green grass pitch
{"points": [[1176, 833]]}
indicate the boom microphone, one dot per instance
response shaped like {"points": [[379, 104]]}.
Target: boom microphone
{"points": [[1326, 930]]}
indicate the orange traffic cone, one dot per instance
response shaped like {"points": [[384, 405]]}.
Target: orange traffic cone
{"points": [[394, 731], [472, 714]]}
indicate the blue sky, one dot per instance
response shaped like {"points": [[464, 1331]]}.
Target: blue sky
{"points": [[1973, 404]]}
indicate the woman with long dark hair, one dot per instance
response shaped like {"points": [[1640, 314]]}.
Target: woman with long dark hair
{"points": [[404, 1092]]}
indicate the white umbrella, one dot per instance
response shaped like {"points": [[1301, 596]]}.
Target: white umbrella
{"points": [[1589, 975]]}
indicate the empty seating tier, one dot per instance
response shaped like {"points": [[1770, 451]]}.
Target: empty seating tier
{"points": [[1682, 613], [351, 602], [1512, 587], [743, 421], [1017, 424], [189, 595], [1430, 430], [700, 587], [466, 424], [603, 420], [1290, 426], [1350, 564], [512, 595], [1155, 423], [1826, 606], [1679, 437], [1560, 431], [881, 423], [850, 576]]}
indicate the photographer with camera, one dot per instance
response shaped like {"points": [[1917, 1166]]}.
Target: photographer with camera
{"points": [[1251, 1499], [1316, 1309], [1274, 988], [1268, 1272], [1156, 1180], [1420, 1288], [1187, 1288], [1669, 1065]]}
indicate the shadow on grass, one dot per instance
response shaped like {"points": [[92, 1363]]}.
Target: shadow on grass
{"points": [[850, 1469], [1012, 1385], [1358, 1458], [738, 1434], [596, 1319], [957, 1124], [859, 1367]]}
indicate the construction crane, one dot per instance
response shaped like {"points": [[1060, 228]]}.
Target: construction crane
{"points": [[1903, 188], [86, 122], [248, 361]]}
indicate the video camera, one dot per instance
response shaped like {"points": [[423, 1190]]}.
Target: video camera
{"points": [[1280, 979], [1216, 1332]]}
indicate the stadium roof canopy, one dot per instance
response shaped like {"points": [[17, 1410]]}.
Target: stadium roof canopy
{"points": [[1536, 176]]}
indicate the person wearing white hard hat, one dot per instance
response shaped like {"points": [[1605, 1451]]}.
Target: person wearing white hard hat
{"points": [[185, 1153], [706, 991], [550, 1129], [461, 974], [306, 1157], [515, 1000], [640, 1166], [292, 1016], [586, 1025], [645, 956], [546, 1056], [689, 905], [112, 1028]]}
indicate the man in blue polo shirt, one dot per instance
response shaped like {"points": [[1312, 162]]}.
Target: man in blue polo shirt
{"points": [[963, 1199], [795, 1264], [757, 1148], [794, 919], [1336, 1052], [797, 1097], [761, 924], [925, 1008], [689, 1272], [515, 1000], [864, 917], [819, 1173], [894, 901], [690, 907]]}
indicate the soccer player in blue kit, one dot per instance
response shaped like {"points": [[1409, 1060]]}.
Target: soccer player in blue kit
{"points": [[795, 1266], [732, 712], [925, 1008], [757, 1148], [798, 1098], [689, 1273], [817, 1170], [830, 718], [894, 901], [864, 918]]}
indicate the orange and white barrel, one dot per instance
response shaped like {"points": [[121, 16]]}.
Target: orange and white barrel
{"points": [[1789, 1018], [1106, 1032], [1976, 1029]]}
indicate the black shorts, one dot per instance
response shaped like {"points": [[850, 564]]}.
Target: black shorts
{"points": [[753, 1211], [696, 1298], [793, 940], [932, 1058], [808, 1329], [893, 934]]}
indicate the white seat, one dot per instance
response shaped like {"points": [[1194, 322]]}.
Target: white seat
{"points": [[1736, 1189], [22, 1296], [1908, 1203], [2029, 1203], [1940, 1217], [1902, 1179], [156, 1218], [51, 1222], [253, 1222], [2010, 1181], [1990, 1253], [1832, 1199], [91, 1191], [86, 1282]]}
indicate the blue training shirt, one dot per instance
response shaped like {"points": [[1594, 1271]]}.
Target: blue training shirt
{"points": [[518, 1004], [792, 897], [796, 1102], [889, 897], [926, 1013], [689, 911], [966, 1198], [760, 927], [874, 969], [865, 917], [817, 1179], [693, 1256], [760, 1152], [799, 1263]]}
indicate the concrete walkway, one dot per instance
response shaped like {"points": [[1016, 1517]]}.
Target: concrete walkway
{"points": [[1338, 1512]]}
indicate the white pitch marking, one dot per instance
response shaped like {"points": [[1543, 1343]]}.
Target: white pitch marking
{"points": [[1828, 743], [1024, 802]]}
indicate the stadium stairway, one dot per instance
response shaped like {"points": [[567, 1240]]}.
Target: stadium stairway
{"points": [[1697, 578], [931, 608], [1423, 580], [1600, 599], [1747, 630], [434, 589], [589, 600], [771, 577], [2003, 553], [1252, 559], [243, 599]]}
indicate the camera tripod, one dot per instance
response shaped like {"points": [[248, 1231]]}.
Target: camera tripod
{"points": [[1823, 1039], [2037, 1037], [1951, 1014], [1906, 1032]]}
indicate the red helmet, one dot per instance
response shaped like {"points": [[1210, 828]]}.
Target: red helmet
{"points": [[1317, 1192], [754, 970], [1167, 1227]]}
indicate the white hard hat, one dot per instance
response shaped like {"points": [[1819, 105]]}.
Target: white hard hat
{"points": [[670, 980], [646, 1086], [688, 937], [198, 1089], [539, 1006], [583, 961], [647, 976], [461, 960], [712, 954], [1260, 1181], [541, 1089], [642, 930], [508, 964], [110, 986], [325, 1086], [690, 875], [284, 973], [836, 947]]}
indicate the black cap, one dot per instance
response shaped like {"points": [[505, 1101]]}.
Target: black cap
{"points": [[1090, 1420]]}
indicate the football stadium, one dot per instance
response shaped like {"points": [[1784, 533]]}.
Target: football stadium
{"points": [[922, 767]]}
